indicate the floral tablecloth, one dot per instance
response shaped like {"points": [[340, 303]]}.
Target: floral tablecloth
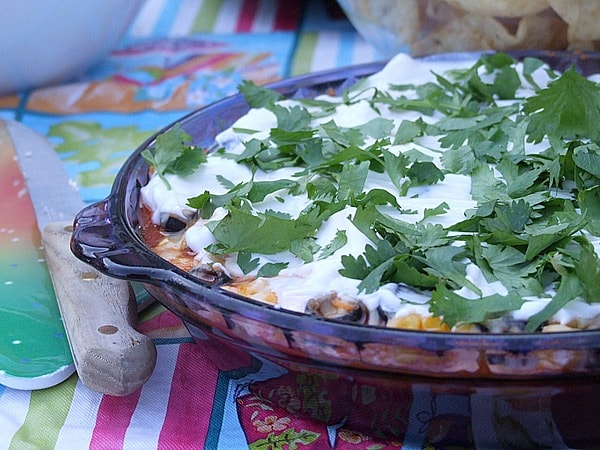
{"points": [[177, 56]]}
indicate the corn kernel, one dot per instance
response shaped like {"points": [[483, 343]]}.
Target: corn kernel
{"points": [[408, 322], [467, 328], [553, 327], [433, 324]]}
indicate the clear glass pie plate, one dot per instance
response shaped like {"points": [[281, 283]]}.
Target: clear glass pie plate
{"points": [[267, 347]]}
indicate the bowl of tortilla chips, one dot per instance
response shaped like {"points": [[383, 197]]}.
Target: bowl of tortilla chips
{"points": [[423, 27]]}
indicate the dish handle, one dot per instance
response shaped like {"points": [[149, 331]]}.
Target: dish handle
{"points": [[102, 240]]}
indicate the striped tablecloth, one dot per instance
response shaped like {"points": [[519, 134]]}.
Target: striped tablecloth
{"points": [[177, 56]]}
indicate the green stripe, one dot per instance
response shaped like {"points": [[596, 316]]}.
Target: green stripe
{"points": [[151, 312], [173, 341], [218, 412], [48, 409], [305, 50], [207, 16]]}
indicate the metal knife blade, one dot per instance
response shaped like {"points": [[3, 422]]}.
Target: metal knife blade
{"points": [[98, 312]]}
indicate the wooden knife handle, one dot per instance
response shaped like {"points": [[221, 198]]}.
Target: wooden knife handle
{"points": [[99, 315]]}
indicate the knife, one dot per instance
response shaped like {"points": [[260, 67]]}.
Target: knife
{"points": [[98, 312]]}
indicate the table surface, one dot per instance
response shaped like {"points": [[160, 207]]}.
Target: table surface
{"points": [[177, 56]]}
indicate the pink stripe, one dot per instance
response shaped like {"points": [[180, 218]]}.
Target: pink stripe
{"points": [[122, 79], [190, 401], [247, 16], [113, 418], [288, 15], [211, 62], [165, 319]]}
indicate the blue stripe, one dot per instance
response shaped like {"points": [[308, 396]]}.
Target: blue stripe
{"points": [[173, 341], [167, 17], [220, 426], [346, 45], [232, 436]]}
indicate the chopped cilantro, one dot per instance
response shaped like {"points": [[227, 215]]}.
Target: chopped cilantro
{"points": [[336, 243], [257, 96], [271, 269], [305, 249], [265, 233], [172, 154], [534, 213], [568, 108], [459, 310], [246, 262]]}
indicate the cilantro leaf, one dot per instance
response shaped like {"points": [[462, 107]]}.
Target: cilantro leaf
{"points": [[260, 189], [246, 263], [454, 309], [443, 262], [589, 200], [263, 233], [171, 153], [378, 128], [407, 131], [510, 218], [336, 243], [506, 80], [206, 202], [587, 157], [530, 66], [570, 288], [510, 267], [305, 249], [460, 160], [586, 266], [369, 267], [486, 187], [544, 235], [187, 162], [342, 137], [295, 118], [225, 182], [568, 108], [352, 179], [256, 96], [409, 271], [424, 172], [396, 168], [271, 269], [431, 235], [442, 208]]}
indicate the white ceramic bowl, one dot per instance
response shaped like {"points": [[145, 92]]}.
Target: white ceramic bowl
{"points": [[44, 42]]}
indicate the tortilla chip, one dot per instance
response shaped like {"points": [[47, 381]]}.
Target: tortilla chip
{"points": [[544, 31], [581, 16], [501, 8], [401, 17], [470, 32], [434, 26]]}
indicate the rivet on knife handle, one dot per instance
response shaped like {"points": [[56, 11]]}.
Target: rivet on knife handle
{"points": [[99, 314]]}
